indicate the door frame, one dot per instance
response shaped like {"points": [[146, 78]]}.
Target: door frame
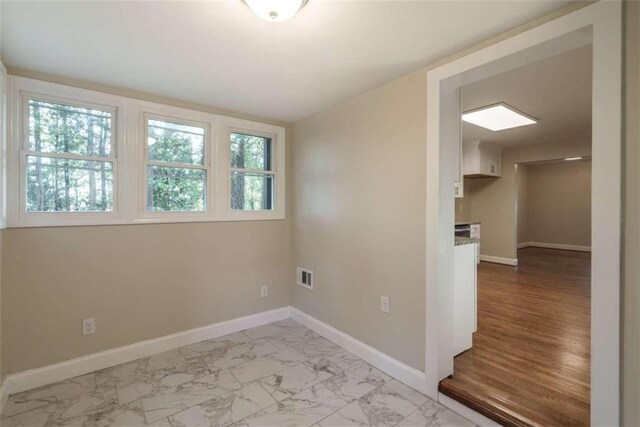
{"points": [[602, 22]]}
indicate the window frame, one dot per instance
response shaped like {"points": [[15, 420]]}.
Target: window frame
{"points": [[128, 156], [207, 166], [26, 152], [18, 150], [277, 171]]}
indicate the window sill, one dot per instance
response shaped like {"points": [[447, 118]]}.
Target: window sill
{"points": [[81, 220]]}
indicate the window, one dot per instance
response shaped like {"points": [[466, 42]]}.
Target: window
{"points": [[176, 166], [81, 157], [69, 158], [252, 176]]}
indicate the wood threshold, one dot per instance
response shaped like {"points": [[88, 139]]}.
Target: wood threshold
{"points": [[488, 409]]}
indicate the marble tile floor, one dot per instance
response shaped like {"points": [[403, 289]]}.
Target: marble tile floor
{"points": [[280, 374]]}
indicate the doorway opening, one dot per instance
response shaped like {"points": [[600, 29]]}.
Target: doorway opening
{"points": [[598, 25]]}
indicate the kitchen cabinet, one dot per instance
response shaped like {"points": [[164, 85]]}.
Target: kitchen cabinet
{"points": [[459, 180], [451, 138], [474, 233], [482, 159], [465, 297]]}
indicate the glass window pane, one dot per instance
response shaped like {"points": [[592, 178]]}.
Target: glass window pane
{"points": [[175, 143], [175, 189], [250, 152], [251, 191], [60, 128], [65, 185]]}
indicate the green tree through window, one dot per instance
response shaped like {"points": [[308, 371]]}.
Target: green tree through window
{"points": [[251, 172], [176, 172], [64, 168]]}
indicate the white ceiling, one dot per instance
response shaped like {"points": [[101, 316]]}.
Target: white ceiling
{"points": [[218, 53], [556, 91]]}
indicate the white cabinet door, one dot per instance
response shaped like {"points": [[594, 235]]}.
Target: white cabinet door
{"points": [[475, 233], [464, 297], [451, 133], [482, 159]]}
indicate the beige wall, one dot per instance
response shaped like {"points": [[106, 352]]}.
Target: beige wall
{"points": [[493, 201], [522, 204], [359, 216], [559, 203], [138, 281], [631, 271]]}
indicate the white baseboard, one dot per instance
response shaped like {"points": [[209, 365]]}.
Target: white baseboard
{"points": [[473, 416], [27, 380], [387, 364], [560, 246], [499, 260]]}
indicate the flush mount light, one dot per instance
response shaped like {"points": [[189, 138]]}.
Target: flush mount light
{"points": [[275, 10], [573, 158], [497, 117]]}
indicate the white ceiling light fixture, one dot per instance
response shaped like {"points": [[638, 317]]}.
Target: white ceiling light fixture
{"points": [[573, 158], [275, 10], [497, 117]]}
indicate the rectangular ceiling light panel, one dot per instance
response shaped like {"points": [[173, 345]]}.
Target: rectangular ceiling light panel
{"points": [[497, 117]]}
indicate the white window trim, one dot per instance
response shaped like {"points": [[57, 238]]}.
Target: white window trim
{"points": [[25, 150], [277, 136], [22, 89], [209, 165], [3, 144], [129, 160]]}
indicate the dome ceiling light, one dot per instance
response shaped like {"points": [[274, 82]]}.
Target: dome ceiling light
{"points": [[275, 10]]}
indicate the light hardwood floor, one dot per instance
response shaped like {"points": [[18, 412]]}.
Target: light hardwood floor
{"points": [[529, 364]]}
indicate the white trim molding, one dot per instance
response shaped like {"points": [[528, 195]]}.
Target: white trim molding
{"points": [[129, 161], [561, 246], [27, 380], [387, 364], [499, 260]]}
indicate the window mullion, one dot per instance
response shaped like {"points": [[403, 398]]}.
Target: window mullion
{"points": [[254, 171], [70, 156], [176, 165]]}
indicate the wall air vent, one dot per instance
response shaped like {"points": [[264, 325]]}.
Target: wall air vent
{"points": [[304, 278]]}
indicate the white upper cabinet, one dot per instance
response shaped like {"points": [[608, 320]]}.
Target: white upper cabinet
{"points": [[482, 159], [451, 135]]}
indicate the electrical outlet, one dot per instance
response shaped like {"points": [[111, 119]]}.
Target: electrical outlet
{"points": [[89, 326], [384, 304], [264, 291]]}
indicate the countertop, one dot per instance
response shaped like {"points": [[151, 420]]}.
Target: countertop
{"points": [[466, 240], [467, 222]]}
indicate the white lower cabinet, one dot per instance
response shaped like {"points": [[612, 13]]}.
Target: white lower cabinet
{"points": [[465, 297]]}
